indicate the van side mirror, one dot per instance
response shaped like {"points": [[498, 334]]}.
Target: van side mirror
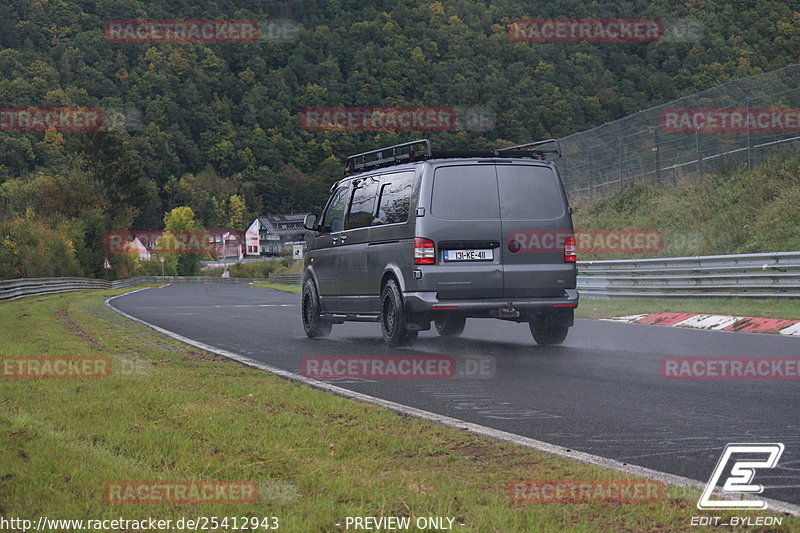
{"points": [[310, 222], [570, 210]]}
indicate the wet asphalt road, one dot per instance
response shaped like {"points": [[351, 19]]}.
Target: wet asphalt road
{"points": [[601, 392]]}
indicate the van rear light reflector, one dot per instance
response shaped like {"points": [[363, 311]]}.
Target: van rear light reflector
{"points": [[444, 307], [424, 251], [564, 305], [570, 251]]}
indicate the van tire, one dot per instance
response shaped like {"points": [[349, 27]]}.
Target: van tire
{"points": [[549, 335], [312, 323], [393, 317], [450, 325]]}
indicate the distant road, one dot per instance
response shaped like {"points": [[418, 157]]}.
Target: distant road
{"points": [[600, 393]]}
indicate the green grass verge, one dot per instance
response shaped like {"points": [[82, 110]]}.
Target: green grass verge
{"points": [[611, 307], [729, 213], [171, 412], [286, 287]]}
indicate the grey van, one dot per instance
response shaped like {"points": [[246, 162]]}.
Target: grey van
{"points": [[414, 236]]}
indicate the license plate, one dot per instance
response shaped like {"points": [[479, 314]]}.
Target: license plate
{"points": [[468, 255]]}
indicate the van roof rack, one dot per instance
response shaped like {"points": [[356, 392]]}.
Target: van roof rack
{"points": [[405, 153], [377, 158]]}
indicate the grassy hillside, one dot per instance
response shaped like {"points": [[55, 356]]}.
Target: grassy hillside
{"points": [[216, 126], [739, 212]]}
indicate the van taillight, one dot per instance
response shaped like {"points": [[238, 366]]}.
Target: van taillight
{"points": [[570, 252], [424, 251]]}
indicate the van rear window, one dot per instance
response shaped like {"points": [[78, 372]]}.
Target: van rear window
{"points": [[529, 192], [485, 192], [465, 192]]}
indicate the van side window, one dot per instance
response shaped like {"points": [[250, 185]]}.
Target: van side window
{"points": [[395, 198], [362, 207], [334, 214]]}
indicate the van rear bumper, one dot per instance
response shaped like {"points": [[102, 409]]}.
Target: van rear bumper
{"points": [[427, 302]]}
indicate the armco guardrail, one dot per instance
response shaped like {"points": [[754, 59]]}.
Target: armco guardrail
{"points": [[764, 275], [17, 288], [294, 279]]}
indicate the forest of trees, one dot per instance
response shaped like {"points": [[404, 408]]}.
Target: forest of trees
{"points": [[220, 130]]}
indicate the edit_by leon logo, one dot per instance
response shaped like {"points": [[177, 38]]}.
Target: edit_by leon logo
{"points": [[741, 474]]}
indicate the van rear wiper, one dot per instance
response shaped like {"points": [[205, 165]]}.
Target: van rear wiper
{"points": [[528, 148]]}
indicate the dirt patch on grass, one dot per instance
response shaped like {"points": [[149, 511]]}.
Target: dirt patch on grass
{"points": [[197, 355], [473, 451], [19, 435], [63, 316]]}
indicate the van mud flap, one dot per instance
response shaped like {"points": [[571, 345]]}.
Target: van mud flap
{"points": [[555, 317]]}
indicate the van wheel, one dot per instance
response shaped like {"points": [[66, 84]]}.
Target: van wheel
{"points": [[450, 326], [393, 317], [312, 323], [549, 334]]}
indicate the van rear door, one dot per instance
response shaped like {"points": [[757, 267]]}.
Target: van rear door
{"points": [[465, 226], [535, 223]]}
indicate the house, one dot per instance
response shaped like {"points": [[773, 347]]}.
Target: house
{"points": [[221, 243], [275, 234], [139, 249], [226, 242]]}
